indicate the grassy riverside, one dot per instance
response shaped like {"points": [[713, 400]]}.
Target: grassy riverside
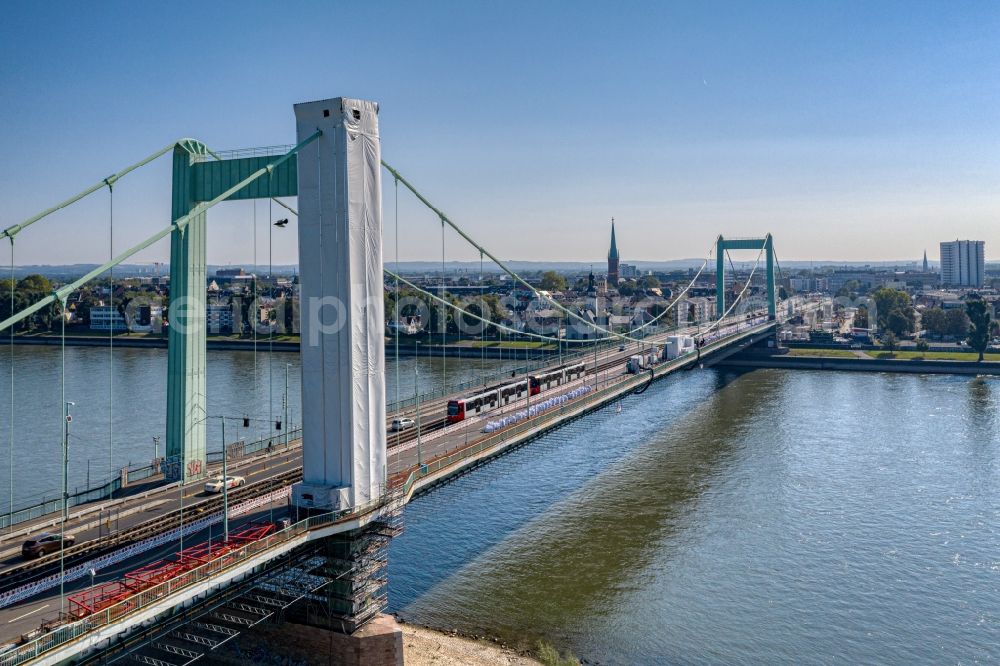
{"points": [[898, 355], [932, 356], [828, 353]]}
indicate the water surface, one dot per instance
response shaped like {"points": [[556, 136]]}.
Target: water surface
{"points": [[771, 517]]}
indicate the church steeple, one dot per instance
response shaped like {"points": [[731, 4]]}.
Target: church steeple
{"points": [[613, 252], [613, 258], [927, 267]]}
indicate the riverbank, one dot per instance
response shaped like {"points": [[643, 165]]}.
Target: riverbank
{"points": [[429, 647], [155, 342], [459, 349], [859, 361]]}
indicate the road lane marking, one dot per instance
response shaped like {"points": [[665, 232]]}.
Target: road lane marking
{"points": [[21, 617]]}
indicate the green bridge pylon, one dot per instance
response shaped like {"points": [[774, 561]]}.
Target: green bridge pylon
{"points": [[723, 244], [199, 176]]}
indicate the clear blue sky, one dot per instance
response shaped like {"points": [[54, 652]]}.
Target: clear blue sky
{"points": [[849, 130]]}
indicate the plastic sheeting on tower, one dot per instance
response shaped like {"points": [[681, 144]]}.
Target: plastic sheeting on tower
{"points": [[342, 328]]}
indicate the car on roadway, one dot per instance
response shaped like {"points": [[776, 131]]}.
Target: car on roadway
{"points": [[398, 425], [45, 543], [214, 485]]}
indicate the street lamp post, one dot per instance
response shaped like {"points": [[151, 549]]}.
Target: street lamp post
{"points": [[595, 358], [285, 405], [67, 419], [225, 483], [527, 381], [416, 397]]}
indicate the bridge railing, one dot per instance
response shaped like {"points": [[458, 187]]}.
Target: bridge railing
{"points": [[535, 361], [67, 633], [583, 403], [74, 630]]}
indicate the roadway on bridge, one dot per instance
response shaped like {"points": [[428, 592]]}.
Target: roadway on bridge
{"points": [[28, 616], [133, 510]]}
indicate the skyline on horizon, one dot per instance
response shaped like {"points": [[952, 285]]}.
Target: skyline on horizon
{"points": [[862, 133]]}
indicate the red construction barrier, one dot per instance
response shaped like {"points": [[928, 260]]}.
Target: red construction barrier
{"points": [[99, 597]]}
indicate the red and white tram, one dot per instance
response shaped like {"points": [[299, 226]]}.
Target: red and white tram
{"points": [[460, 408]]}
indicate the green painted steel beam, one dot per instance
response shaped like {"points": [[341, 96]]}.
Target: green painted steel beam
{"points": [[741, 243], [187, 407], [197, 186], [69, 288], [211, 178], [723, 244], [194, 181], [720, 278]]}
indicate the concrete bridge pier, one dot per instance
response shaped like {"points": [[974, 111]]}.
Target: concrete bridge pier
{"points": [[378, 643]]}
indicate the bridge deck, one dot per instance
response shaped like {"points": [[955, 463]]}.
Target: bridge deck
{"points": [[444, 452]]}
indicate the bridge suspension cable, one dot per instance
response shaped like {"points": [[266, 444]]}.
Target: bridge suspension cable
{"points": [[10, 452], [473, 315], [487, 322], [15, 229], [446, 220], [559, 306], [111, 341], [176, 225], [397, 178]]}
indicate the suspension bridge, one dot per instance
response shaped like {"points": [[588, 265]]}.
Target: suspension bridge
{"points": [[303, 536]]}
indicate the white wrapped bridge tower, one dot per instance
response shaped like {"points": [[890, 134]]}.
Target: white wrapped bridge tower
{"points": [[342, 327]]}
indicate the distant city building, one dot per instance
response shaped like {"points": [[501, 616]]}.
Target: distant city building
{"points": [[963, 263], [230, 272], [862, 280], [106, 318], [219, 318], [697, 309], [144, 318], [613, 258], [808, 284], [927, 266], [628, 271], [406, 325]]}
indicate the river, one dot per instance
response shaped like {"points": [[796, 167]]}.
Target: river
{"points": [[791, 517], [237, 386], [780, 517]]}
